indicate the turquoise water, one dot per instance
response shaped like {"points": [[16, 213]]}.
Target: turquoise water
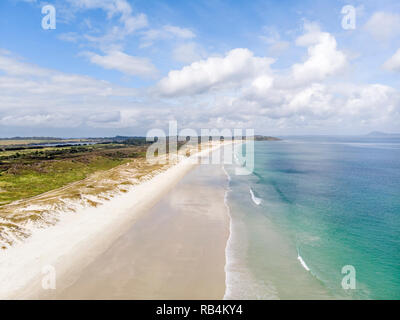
{"points": [[333, 202]]}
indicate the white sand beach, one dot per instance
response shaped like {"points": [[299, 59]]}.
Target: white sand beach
{"points": [[163, 239]]}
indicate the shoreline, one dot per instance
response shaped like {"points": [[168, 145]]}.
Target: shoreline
{"points": [[175, 251], [78, 239], [230, 237]]}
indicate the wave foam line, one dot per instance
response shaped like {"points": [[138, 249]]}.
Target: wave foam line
{"points": [[239, 283], [256, 200], [302, 262], [228, 247]]}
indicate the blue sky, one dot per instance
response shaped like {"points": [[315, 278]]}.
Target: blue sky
{"points": [[124, 67]]}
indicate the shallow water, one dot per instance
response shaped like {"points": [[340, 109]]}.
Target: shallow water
{"points": [[323, 204]]}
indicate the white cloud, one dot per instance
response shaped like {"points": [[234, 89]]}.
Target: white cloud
{"points": [[69, 36], [242, 90], [371, 101], [104, 119], [32, 96], [115, 8], [319, 106], [237, 66], [52, 120], [324, 59], [135, 23], [188, 52], [393, 64], [128, 22], [167, 32], [278, 47], [15, 67], [273, 39], [124, 63], [118, 34], [111, 43], [43, 100], [383, 25], [237, 89], [179, 32]]}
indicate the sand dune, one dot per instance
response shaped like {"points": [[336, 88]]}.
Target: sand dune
{"points": [[73, 244]]}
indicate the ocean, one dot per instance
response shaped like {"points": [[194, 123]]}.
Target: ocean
{"points": [[319, 218]]}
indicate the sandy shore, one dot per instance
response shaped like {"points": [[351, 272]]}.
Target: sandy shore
{"points": [[175, 251], [165, 239]]}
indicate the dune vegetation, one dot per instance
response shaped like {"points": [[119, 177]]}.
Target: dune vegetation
{"points": [[28, 172]]}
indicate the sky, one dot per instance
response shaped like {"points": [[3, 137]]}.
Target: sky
{"points": [[122, 67]]}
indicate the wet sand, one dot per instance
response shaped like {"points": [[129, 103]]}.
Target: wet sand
{"points": [[174, 251]]}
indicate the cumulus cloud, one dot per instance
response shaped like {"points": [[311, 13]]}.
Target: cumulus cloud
{"points": [[130, 65], [237, 89], [393, 64], [371, 102], [242, 90], [240, 65], [237, 65], [324, 59], [383, 25], [318, 106]]}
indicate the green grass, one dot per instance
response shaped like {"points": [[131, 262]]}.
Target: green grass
{"points": [[29, 183], [7, 153], [30, 172]]}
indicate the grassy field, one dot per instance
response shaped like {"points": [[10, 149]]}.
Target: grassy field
{"points": [[30, 172], [27, 170]]}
